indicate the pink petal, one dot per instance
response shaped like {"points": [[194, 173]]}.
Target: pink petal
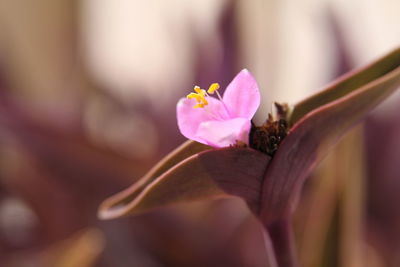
{"points": [[224, 133], [189, 118], [242, 96]]}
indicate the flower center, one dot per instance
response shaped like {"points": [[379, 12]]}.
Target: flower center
{"points": [[201, 94]]}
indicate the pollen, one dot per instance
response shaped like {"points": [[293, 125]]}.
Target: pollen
{"points": [[213, 87], [195, 96], [200, 97], [200, 91]]}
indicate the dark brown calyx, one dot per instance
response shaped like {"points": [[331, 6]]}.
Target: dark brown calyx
{"points": [[267, 137]]}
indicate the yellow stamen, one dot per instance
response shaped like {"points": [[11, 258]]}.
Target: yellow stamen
{"points": [[213, 87], [200, 97], [201, 94], [194, 95]]}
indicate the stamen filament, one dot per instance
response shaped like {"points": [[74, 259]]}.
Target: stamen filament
{"points": [[219, 96]]}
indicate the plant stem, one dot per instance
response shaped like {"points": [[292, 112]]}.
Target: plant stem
{"points": [[282, 238]]}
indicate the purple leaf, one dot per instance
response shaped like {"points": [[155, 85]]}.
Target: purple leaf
{"points": [[325, 124], [201, 176]]}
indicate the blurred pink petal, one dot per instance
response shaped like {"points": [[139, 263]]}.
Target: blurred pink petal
{"points": [[221, 123]]}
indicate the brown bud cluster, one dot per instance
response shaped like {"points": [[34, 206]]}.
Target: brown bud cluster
{"points": [[267, 137]]}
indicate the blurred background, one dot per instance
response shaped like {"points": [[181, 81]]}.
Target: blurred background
{"points": [[87, 105]]}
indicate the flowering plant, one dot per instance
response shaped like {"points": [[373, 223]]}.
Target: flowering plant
{"points": [[264, 165]]}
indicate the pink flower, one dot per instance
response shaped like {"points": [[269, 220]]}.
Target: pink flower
{"points": [[224, 121]]}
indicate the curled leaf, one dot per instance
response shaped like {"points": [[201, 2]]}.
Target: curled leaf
{"points": [[182, 152], [201, 176], [331, 113], [348, 83]]}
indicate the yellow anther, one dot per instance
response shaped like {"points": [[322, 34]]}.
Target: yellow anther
{"points": [[200, 97], [194, 95], [213, 87], [200, 91]]}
